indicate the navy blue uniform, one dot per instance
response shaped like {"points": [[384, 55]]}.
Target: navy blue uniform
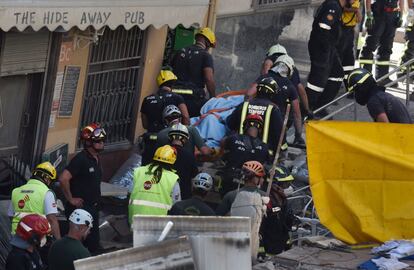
{"points": [[326, 72]]}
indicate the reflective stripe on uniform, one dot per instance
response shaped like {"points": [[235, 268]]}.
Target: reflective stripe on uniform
{"points": [[183, 91], [366, 61], [150, 204], [348, 68], [383, 63], [314, 87], [153, 137], [266, 123], [335, 79], [324, 26], [284, 147], [243, 116]]}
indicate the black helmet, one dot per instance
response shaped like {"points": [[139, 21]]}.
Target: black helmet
{"points": [[267, 87], [361, 82]]}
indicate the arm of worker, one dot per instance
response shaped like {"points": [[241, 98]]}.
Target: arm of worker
{"points": [[401, 5], [64, 179], [176, 193], [184, 114], [50, 208], [297, 117], [144, 120], [200, 144], [303, 97], [267, 64], [382, 117], [367, 6], [210, 83]]}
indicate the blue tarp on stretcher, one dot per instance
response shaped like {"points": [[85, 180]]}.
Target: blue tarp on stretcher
{"points": [[212, 125]]}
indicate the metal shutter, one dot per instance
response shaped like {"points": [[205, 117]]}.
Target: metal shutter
{"points": [[24, 53]]}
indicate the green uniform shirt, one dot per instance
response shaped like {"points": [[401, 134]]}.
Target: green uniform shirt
{"points": [[64, 252]]}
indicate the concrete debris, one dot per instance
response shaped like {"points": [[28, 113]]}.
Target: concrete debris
{"points": [[264, 266], [169, 255]]}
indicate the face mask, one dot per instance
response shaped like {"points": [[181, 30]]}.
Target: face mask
{"points": [[282, 69], [288, 191], [43, 241]]}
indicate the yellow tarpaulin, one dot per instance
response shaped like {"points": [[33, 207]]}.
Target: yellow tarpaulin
{"points": [[362, 179]]}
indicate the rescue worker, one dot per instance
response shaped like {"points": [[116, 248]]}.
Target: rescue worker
{"points": [[239, 148], [326, 74], [382, 106], [30, 236], [172, 116], [279, 218], [252, 173], [195, 206], [35, 197], [185, 165], [263, 106], [81, 180], [351, 16], [409, 38], [152, 108], [156, 186], [281, 72], [274, 53], [69, 248], [194, 68], [382, 18]]}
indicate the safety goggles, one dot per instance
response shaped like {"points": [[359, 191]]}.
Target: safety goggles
{"points": [[98, 135]]}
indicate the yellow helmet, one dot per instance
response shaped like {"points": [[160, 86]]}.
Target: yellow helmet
{"points": [[166, 154], [45, 169], [165, 76], [209, 35]]}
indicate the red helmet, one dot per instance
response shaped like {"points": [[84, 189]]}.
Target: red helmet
{"points": [[253, 120], [33, 228], [93, 132], [254, 167]]}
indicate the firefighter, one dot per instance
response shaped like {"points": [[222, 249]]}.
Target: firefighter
{"points": [[382, 106], [409, 38], [282, 71], [350, 17], [194, 68], [239, 148], [382, 18], [326, 74], [156, 186], [35, 197], [31, 233], [152, 108], [263, 106], [274, 53]]}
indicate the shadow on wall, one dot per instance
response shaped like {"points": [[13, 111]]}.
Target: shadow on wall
{"points": [[244, 40]]}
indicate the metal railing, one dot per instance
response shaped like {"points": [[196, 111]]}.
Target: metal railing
{"points": [[408, 74]]}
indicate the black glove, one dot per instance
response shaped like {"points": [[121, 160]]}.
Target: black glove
{"points": [[398, 20], [309, 115]]}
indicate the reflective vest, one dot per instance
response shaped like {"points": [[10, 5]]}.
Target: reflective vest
{"points": [[349, 18], [266, 117], [28, 199], [149, 197]]}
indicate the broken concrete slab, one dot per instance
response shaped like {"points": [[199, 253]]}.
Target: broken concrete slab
{"points": [[173, 254], [108, 190], [219, 243]]}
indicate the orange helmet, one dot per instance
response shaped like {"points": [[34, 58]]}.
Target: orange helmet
{"points": [[33, 228], [93, 132], [254, 167]]}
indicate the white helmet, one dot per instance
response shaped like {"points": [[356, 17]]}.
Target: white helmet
{"points": [[178, 131], [203, 181], [288, 61], [276, 49], [169, 111], [81, 217]]}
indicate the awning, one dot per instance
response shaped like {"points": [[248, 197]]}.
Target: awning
{"points": [[99, 13]]}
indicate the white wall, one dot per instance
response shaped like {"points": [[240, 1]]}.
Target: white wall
{"points": [[228, 7]]}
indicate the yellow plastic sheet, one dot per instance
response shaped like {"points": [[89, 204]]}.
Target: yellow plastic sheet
{"points": [[362, 179]]}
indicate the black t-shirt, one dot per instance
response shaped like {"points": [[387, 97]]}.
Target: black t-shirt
{"points": [[241, 148], [191, 207], [21, 259], [186, 168], [259, 106], [86, 177], [64, 252], [287, 92], [188, 65], [153, 106], [382, 102], [326, 27]]}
